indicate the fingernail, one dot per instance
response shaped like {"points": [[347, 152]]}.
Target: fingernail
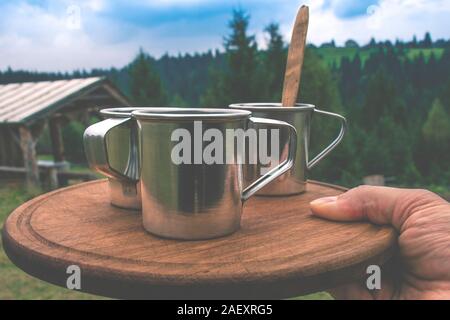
{"points": [[325, 200], [325, 207]]}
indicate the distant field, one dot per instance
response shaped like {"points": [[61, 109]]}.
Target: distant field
{"points": [[334, 55], [412, 53]]}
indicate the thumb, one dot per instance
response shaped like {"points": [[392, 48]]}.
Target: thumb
{"points": [[379, 205]]}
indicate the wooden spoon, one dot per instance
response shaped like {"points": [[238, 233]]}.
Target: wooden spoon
{"points": [[296, 55]]}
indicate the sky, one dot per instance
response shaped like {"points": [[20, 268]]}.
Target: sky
{"points": [[64, 35]]}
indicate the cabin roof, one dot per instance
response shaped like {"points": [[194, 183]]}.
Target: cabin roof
{"points": [[28, 101]]}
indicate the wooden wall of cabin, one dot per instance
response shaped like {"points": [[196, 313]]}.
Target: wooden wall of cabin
{"points": [[10, 151], [11, 154]]}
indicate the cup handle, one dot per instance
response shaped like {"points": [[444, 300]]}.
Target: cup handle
{"points": [[281, 168], [327, 150], [97, 152]]}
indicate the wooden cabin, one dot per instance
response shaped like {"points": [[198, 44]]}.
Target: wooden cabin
{"points": [[27, 108]]}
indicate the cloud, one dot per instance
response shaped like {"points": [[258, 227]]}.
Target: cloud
{"points": [[348, 8], [388, 20], [41, 35]]}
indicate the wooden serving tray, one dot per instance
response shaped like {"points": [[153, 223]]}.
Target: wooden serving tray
{"points": [[281, 250]]}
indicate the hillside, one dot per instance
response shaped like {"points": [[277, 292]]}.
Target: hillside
{"points": [[333, 56]]}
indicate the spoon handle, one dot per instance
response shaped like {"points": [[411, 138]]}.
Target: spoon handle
{"points": [[295, 58]]}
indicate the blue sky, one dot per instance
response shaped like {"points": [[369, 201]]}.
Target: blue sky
{"points": [[64, 35]]}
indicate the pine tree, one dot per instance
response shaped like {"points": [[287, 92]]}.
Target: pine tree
{"points": [[145, 85], [319, 88], [413, 43], [433, 153], [444, 72], [275, 63], [237, 82], [372, 43], [350, 78], [386, 145], [427, 42], [437, 126], [241, 52], [351, 44], [382, 99]]}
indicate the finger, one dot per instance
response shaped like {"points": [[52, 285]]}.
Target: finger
{"points": [[380, 205]]}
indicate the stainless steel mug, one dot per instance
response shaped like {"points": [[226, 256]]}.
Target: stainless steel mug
{"points": [[194, 200], [294, 181], [111, 148]]}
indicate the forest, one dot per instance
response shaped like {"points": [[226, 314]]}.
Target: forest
{"points": [[395, 95]]}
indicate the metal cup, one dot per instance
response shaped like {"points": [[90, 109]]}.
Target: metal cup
{"points": [[194, 201], [111, 148], [300, 116], [197, 201]]}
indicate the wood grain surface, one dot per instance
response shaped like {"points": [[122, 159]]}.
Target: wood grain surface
{"points": [[281, 250], [294, 65]]}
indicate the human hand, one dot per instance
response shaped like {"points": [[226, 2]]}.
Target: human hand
{"points": [[422, 220]]}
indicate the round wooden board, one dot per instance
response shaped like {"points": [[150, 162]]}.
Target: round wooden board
{"points": [[281, 250]]}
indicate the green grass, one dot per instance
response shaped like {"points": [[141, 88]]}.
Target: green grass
{"points": [[76, 168], [334, 55], [414, 53], [16, 284]]}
